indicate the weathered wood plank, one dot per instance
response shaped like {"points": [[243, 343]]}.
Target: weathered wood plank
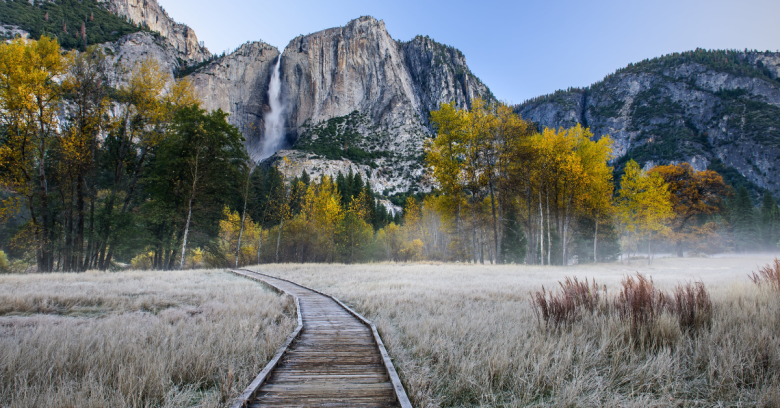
{"points": [[335, 359]]}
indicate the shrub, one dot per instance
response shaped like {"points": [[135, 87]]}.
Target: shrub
{"points": [[768, 275], [5, 264], [143, 261], [692, 306], [566, 306], [639, 302]]}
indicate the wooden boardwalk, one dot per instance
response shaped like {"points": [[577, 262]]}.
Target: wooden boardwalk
{"points": [[334, 358]]}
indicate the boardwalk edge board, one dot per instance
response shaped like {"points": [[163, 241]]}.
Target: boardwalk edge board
{"points": [[400, 392], [249, 392]]}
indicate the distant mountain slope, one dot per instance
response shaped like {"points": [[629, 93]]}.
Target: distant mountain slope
{"points": [[63, 20], [699, 106], [104, 21]]}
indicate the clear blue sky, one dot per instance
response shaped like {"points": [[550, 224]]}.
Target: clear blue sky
{"points": [[520, 49]]}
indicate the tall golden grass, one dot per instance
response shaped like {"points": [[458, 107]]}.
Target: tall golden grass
{"points": [[466, 335], [135, 339]]}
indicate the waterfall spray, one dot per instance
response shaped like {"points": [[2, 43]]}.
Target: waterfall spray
{"points": [[273, 138]]}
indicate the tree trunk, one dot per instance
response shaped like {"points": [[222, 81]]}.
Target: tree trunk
{"points": [[541, 231], [186, 232], [88, 258], [549, 237], [629, 248], [279, 238], [649, 259], [189, 213], [596, 240], [565, 222], [101, 257], [495, 222], [458, 229], [259, 244], [482, 248], [46, 261], [474, 226], [530, 244], [67, 224], [243, 218], [79, 234], [169, 260], [565, 231]]}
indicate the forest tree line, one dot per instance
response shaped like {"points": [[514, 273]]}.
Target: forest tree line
{"points": [[102, 175], [94, 173], [555, 192], [506, 193]]}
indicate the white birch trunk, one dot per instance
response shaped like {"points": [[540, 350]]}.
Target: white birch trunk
{"points": [[596, 239], [189, 213]]}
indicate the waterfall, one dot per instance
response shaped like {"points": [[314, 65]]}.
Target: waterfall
{"points": [[273, 137]]}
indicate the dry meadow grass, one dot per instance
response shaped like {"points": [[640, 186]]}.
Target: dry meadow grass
{"points": [[135, 339], [466, 335]]}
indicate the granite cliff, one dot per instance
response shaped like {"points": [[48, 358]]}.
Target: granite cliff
{"points": [[149, 13], [703, 107], [125, 53], [354, 98], [440, 75], [238, 84]]}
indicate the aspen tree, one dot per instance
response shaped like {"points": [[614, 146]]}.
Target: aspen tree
{"points": [[29, 102], [443, 156], [643, 205], [692, 193]]}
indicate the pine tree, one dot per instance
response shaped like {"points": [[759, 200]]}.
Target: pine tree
{"points": [[769, 221], [341, 186], [382, 218], [347, 194], [513, 242], [305, 179], [742, 218], [357, 185]]}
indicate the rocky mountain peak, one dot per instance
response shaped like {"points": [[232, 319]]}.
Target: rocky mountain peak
{"points": [[148, 12], [353, 97], [441, 75], [339, 70]]}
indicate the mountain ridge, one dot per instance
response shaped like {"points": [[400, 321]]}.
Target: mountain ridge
{"points": [[697, 106]]}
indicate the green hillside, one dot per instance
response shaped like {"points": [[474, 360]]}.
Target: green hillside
{"points": [[63, 20]]}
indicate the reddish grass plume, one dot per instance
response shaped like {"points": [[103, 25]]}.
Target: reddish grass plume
{"points": [[768, 275], [566, 306], [692, 306], [639, 303]]}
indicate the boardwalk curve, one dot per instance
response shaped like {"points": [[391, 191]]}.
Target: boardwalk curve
{"points": [[334, 357]]}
